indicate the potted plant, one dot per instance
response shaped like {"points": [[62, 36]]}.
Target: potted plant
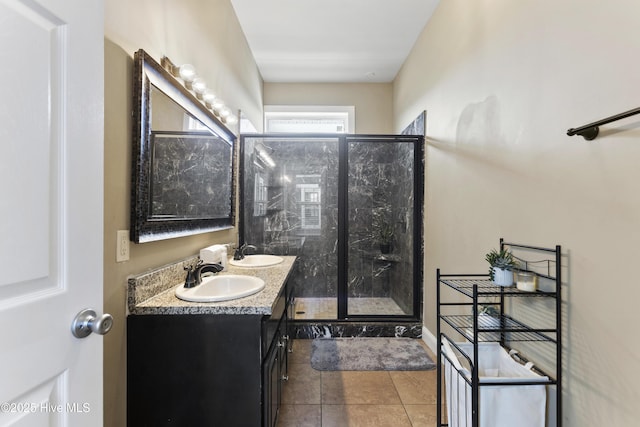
{"points": [[501, 267], [384, 235], [489, 310], [488, 316]]}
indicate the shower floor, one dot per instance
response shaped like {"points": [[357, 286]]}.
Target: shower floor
{"points": [[327, 308]]}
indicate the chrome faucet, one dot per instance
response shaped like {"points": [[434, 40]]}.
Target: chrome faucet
{"points": [[240, 252], [194, 274]]}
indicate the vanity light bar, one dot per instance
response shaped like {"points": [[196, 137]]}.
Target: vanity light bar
{"points": [[197, 85]]}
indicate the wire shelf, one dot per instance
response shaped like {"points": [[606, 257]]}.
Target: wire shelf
{"points": [[493, 328], [487, 288]]}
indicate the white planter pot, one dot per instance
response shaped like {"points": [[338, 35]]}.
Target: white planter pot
{"points": [[502, 277]]}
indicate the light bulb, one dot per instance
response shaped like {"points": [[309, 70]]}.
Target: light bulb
{"points": [[198, 85], [217, 104], [208, 97], [225, 112], [231, 119], [187, 72]]}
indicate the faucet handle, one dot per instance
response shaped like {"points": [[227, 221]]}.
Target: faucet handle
{"points": [[190, 280]]}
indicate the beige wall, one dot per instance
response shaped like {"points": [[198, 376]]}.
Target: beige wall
{"points": [[372, 101], [502, 81], [179, 30]]}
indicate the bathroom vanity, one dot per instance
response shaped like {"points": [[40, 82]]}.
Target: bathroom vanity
{"points": [[207, 364]]}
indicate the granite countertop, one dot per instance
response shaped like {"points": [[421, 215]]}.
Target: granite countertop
{"points": [[153, 293]]}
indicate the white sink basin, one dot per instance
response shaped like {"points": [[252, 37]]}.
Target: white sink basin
{"points": [[254, 261], [221, 288]]}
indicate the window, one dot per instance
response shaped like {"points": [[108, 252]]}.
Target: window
{"points": [[192, 123], [260, 194], [310, 208], [309, 119], [309, 204]]}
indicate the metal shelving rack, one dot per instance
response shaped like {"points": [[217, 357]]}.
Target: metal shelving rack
{"points": [[502, 327]]}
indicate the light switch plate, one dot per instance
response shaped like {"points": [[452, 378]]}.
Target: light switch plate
{"points": [[122, 246]]}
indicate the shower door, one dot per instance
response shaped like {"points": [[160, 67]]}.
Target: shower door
{"points": [[382, 242], [290, 207], [330, 200]]}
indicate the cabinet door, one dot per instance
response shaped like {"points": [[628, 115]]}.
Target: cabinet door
{"points": [[216, 371], [275, 368], [272, 387]]}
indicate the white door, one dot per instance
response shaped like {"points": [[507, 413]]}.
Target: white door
{"points": [[51, 198]]}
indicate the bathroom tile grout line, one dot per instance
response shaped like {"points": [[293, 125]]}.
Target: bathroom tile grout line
{"points": [[323, 403], [404, 406], [395, 387]]}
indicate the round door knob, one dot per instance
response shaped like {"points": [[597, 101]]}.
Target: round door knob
{"points": [[88, 321]]}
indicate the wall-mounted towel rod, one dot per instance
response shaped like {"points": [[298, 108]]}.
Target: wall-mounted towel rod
{"points": [[591, 130]]}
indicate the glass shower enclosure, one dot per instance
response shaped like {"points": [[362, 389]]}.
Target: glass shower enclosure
{"points": [[350, 208]]}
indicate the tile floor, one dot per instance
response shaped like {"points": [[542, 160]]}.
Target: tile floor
{"points": [[327, 308], [355, 398]]}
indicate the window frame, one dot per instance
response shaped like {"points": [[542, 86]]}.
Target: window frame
{"points": [[310, 113]]}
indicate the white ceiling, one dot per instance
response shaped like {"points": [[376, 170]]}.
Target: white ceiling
{"points": [[323, 41]]}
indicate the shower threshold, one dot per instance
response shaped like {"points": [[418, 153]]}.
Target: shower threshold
{"points": [[327, 308], [317, 318]]}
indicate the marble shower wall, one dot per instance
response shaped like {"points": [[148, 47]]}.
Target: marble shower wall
{"points": [[278, 172]]}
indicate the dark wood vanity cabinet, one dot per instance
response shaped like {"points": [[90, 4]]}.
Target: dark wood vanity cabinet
{"points": [[275, 366], [207, 369], [274, 373]]}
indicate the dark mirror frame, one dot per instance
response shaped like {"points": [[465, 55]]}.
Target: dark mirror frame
{"points": [[145, 228]]}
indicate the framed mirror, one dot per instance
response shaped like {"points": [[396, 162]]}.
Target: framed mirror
{"points": [[182, 172]]}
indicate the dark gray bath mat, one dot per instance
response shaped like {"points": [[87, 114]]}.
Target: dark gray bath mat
{"points": [[369, 354]]}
